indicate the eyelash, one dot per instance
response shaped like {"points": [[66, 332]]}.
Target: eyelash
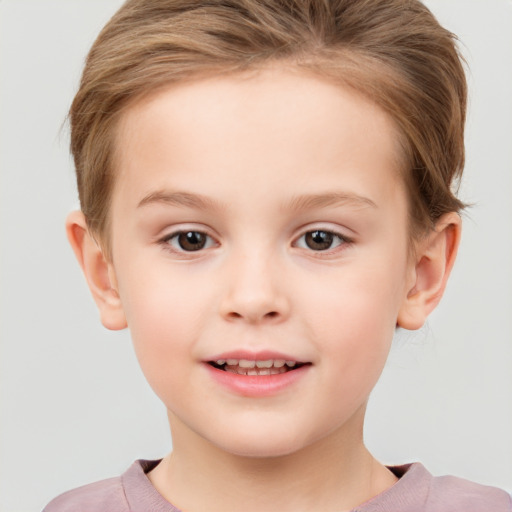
{"points": [[331, 235]]}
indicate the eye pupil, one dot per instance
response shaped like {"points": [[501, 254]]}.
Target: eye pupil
{"points": [[319, 240], [191, 240]]}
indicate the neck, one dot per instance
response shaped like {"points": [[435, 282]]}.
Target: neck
{"points": [[335, 473]]}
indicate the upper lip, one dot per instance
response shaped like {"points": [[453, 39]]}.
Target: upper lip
{"points": [[261, 355]]}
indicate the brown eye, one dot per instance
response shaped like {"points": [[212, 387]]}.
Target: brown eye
{"points": [[190, 241], [321, 240]]}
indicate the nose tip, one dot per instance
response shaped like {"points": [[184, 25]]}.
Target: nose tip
{"points": [[254, 297], [254, 283]]}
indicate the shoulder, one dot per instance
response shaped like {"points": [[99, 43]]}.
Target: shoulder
{"points": [[452, 494], [103, 496], [132, 491], [418, 491]]}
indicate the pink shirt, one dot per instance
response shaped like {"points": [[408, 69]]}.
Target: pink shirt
{"points": [[416, 491]]}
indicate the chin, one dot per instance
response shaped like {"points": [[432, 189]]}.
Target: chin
{"points": [[263, 451], [261, 444]]}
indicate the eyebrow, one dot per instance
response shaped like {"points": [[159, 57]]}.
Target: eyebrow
{"points": [[311, 201], [185, 199], [297, 203]]}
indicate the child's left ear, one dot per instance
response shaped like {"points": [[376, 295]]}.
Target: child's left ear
{"points": [[435, 256]]}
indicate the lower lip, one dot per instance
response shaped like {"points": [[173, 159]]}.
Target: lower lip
{"points": [[257, 385]]}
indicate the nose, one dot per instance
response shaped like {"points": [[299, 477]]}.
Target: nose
{"points": [[254, 291]]}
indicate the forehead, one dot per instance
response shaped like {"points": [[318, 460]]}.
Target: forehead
{"points": [[276, 124]]}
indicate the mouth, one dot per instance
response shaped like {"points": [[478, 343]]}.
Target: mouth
{"points": [[256, 367]]}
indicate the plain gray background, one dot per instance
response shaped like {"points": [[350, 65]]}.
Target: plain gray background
{"points": [[74, 405]]}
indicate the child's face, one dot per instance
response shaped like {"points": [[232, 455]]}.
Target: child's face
{"points": [[290, 193]]}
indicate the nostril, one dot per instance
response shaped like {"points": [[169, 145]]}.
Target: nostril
{"points": [[252, 316], [270, 314]]}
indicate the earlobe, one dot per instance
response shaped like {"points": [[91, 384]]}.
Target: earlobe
{"points": [[99, 273], [434, 261]]}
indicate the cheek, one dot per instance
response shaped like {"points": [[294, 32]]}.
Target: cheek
{"points": [[356, 302], [165, 316], [352, 319]]}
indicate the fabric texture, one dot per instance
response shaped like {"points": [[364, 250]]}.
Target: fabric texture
{"points": [[416, 491]]}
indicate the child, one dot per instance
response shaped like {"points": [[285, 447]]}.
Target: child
{"points": [[266, 196]]}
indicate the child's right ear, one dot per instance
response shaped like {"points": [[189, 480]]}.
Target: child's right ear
{"points": [[98, 272]]}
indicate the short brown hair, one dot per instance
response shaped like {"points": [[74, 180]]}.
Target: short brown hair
{"points": [[393, 51]]}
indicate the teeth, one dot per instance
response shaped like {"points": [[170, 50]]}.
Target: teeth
{"points": [[255, 371], [265, 364], [243, 365]]}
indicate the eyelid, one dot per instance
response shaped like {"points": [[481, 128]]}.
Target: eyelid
{"points": [[173, 229]]}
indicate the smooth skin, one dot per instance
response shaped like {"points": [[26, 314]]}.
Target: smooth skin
{"points": [[258, 168]]}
